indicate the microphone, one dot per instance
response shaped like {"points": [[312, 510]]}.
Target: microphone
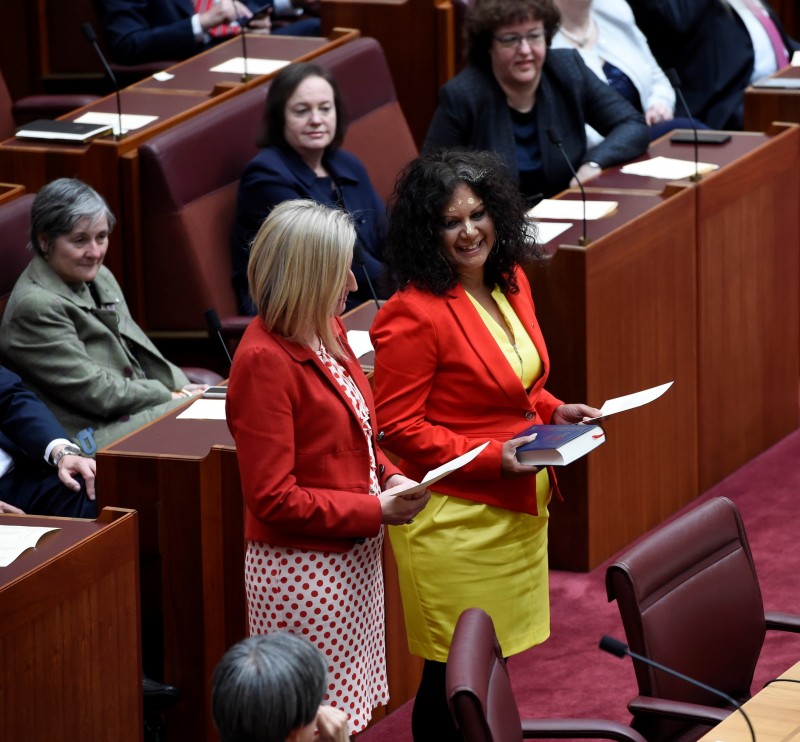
{"points": [[358, 256], [618, 649], [675, 81], [554, 138], [212, 320], [91, 37]]}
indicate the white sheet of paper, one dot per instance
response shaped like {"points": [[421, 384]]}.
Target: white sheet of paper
{"points": [[255, 66], [558, 208], [548, 231], [440, 472], [359, 342], [204, 409], [795, 60], [637, 399], [130, 121], [163, 76], [667, 168], [16, 539]]}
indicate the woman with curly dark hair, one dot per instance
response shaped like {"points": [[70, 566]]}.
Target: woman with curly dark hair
{"points": [[459, 361], [517, 95]]}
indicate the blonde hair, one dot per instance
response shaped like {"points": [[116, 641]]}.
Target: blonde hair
{"points": [[298, 268]]}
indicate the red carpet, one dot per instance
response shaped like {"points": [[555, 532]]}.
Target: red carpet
{"points": [[569, 676]]}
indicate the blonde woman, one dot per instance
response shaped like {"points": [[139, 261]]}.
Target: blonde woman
{"points": [[317, 487]]}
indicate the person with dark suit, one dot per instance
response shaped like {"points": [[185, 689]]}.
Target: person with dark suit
{"points": [[460, 360], [515, 91], [316, 485], [41, 471], [140, 31], [68, 332], [717, 47], [302, 130]]}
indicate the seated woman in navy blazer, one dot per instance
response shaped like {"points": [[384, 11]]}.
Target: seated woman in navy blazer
{"points": [[302, 129], [516, 96]]}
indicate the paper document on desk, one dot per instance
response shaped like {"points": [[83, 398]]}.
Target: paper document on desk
{"points": [[440, 472], [559, 208], [255, 66], [360, 343], [204, 409], [667, 168], [130, 121], [548, 231], [16, 539]]}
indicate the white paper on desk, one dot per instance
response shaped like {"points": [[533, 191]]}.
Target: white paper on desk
{"points": [[440, 472], [360, 343], [163, 76], [547, 231], [130, 121], [637, 399], [16, 539], [204, 409], [667, 168], [559, 208], [255, 66], [795, 60]]}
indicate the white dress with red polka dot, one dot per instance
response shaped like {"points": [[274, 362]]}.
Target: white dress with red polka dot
{"points": [[333, 599]]}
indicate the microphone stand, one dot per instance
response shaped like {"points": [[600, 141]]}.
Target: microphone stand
{"points": [[583, 240], [675, 81], [618, 649], [91, 37]]}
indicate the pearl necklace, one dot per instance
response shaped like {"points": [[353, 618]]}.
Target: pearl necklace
{"points": [[580, 41]]}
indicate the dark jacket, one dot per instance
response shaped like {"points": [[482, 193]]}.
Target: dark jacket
{"points": [[278, 174], [473, 112], [707, 44]]}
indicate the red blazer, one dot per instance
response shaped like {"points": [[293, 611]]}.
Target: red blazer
{"points": [[302, 455], [443, 387]]}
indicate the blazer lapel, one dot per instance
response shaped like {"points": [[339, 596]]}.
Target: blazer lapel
{"points": [[486, 347]]}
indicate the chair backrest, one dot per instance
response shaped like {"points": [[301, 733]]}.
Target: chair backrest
{"points": [[190, 174], [689, 598], [7, 124], [15, 220], [478, 687]]}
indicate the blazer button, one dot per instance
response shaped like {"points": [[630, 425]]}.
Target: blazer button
{"points": [[380, 436], [381, 469], [529, 415], [128, 371], [124, 418]]}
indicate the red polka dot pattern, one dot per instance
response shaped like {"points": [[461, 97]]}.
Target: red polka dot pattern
{"points": [[335, 600]]}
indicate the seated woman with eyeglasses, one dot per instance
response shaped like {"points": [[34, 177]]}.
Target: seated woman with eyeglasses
{"points": [[525, 102]]}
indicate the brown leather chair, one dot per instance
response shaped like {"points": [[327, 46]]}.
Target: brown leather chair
{"points": [[190, 175], [482, 702], [689, 599], [15, 224]]}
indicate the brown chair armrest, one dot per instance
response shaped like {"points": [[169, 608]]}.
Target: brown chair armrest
{"points": [[662, 707], [578, 729], [202, 375], [782, 621]]}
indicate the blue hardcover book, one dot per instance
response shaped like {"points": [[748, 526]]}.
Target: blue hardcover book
{"points": [[558, 445]]}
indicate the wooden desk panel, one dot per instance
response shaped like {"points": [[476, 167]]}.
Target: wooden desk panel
{"points": [[774, 713], [763, 106], [618, 316], [69, 633]]}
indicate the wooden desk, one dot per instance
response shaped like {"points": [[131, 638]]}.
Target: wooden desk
{"points": [[748, 292], [774, 713], [619, 315], [69, 632], [110, 166], [763, 106], [183, 478], [10, 191]]}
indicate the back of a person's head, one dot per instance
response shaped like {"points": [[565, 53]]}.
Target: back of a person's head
{"points": [[266, 687]]}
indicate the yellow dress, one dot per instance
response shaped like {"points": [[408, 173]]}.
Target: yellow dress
{"points": [[460, 554]]}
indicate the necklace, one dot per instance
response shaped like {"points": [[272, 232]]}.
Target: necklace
{"points": [[580, 41]]}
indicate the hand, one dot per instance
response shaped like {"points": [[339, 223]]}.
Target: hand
{"points": [[398, 510], [585, 172], [190, 390], [567, 414], [657, 113], [6, 508], [510, 467], [225, 11], [332, 725], [69, 466]]}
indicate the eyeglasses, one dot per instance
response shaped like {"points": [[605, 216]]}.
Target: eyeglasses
{"points": [[514, 40]]}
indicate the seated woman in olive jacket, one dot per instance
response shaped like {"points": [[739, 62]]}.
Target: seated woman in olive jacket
{"points": [[302, 129], [68, 332], [518, 98]]}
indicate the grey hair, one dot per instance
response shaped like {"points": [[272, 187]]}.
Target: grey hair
{"points": [[265, 687], [60, 205]]}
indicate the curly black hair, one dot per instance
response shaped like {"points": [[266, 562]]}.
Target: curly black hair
{"points": [[413, 253]]}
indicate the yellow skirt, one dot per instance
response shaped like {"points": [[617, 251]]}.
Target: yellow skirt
{"points": [[460, 554]]}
